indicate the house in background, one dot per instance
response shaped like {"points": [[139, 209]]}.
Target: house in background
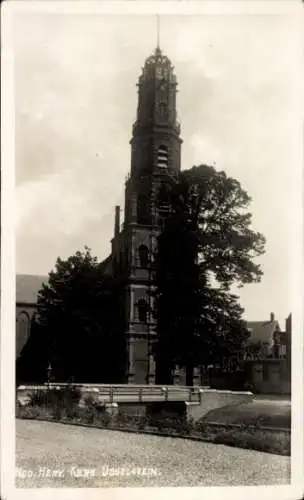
{"points": [[266, 339], [268, 356]]}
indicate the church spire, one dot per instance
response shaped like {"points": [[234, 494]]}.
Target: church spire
{"points": [[156, 132], [157, 33], [157, 93]]}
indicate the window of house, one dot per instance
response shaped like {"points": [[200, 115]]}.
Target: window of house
{"points": [[162, 157], [143, 309], [143, 254], [276, 351], [265, 349]]}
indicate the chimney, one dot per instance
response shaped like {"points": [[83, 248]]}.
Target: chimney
{"points": [[272, 318], [288, 324], [117, 220]]}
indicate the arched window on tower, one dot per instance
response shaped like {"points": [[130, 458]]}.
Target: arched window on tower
{"points": [[163, 109], [143, 254], [162, 157], [163, 200], [143, 212], [142, 310]]}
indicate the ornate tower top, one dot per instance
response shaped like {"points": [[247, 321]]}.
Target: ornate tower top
{"points": [[157, 88], [157, 67], [156, 140]]}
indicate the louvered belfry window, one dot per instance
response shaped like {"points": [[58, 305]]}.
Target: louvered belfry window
{"points": [[163, 200], [162, 157], [142, 311]]}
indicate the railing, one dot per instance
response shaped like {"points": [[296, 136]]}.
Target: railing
{"points": [[126, 393]]}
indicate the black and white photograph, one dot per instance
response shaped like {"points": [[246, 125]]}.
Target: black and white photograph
{"points": [[154, 211]]}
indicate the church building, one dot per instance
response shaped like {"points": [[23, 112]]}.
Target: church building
{"points": [[155, 161]]}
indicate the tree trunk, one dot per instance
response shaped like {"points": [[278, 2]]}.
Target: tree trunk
{"points": [[189, 373], [163, 375], [163, 378], [163, 371]]}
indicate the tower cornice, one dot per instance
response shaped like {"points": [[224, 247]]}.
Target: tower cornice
{"points": [[152, 130]]}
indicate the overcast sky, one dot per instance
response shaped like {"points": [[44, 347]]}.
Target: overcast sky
{"points": [[75, 91]]}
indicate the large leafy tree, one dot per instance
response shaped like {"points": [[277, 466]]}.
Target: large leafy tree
{"points": [[78, 318], [177, 295], [207, 246], [31, 365]]}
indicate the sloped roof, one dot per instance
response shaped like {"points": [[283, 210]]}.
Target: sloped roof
{"points": [[28, 286], [262, 330], [106, 266]]}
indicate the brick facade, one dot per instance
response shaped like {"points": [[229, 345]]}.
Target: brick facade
{"points": [[155, 159]]}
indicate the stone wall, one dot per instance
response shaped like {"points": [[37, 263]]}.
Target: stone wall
{"points": [[212, 399], [270, 376]]}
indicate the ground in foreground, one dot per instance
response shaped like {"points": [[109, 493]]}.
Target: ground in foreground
{"points": [[94, 458]]}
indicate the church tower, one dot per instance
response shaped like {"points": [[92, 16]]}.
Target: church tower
{"points": [[155, 161]]}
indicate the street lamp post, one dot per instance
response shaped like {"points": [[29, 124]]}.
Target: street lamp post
{"points": [[49, 374]]}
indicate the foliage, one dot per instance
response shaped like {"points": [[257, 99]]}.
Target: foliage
{"points": [[31, 366], [199, 320], [269, 441], [215, 205], [79, 322], [255, 439], [67, 396]]}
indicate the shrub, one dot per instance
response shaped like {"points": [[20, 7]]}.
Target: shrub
{"points": [[72, 413], [170, 423], [252, 438], [40, 398], [125, 419], [67, 397], [89, 401], [29, 412], [143, 422], [57, 412], [17, 408], [103, 418], [85, 414]]}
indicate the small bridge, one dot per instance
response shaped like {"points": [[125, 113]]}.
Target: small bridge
{"points": [[194, 402], [124, 393]]}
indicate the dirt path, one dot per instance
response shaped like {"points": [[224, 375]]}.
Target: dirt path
{"points": [[84, 457]]}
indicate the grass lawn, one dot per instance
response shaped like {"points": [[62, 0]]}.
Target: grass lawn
{"points": [[266, 412]]}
